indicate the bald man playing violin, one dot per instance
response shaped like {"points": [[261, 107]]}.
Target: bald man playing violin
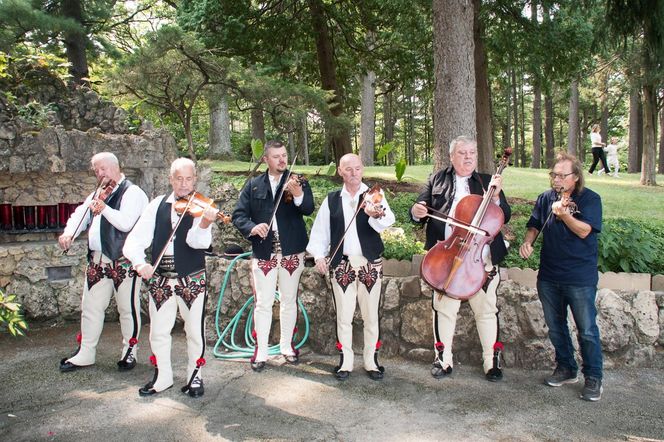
{"points": [[345, 240], [178, 281], [275, 226], [441, 195], [108, 272], [569, 217]]}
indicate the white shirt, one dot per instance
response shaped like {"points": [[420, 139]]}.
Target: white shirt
{"points": [[596, 139], [611, 150], [142, 234], [133, 202], [274, 183], [319, 240]]}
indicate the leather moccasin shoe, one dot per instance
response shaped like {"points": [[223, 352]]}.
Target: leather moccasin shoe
{"points": [[494, 375], [128, 364], [438, 372], [342, 375], [196, 388], [66, 366], [375, 375], [258, 366], [292, 359]]}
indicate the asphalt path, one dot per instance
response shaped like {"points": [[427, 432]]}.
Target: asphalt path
{"points": [[305, 402]]}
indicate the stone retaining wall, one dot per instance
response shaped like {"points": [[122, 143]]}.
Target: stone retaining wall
{"points": [[631, 321]]}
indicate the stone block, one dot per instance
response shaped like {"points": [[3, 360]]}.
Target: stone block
{"points": [[525, 277], [394, 267], [624, 281], [410, 287], [416, 263], [657, 283]]}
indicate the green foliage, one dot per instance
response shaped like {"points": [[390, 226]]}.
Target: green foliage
{"points": [[36, 113], [400, 169], [257, 149], [384, 150], [331, 169], [626, 245], [400, 244], [11, 318]]}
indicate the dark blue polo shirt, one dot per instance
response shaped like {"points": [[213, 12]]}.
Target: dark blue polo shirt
{"points": [[565, 257]]}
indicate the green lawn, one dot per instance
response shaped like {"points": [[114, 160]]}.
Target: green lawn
{"points": [[622, 197]]}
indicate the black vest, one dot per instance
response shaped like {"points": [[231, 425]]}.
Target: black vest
{"points": [[112, 239], [370, 241], [187, 259]]}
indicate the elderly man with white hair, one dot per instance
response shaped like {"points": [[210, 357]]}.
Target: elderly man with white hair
{"points": [[177, 282], [110, 215]]}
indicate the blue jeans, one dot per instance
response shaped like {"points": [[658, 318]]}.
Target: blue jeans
{"points": [[555, 298]]}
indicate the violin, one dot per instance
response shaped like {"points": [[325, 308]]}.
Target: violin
{"points": [[565, 202], [455, 266], [295, 177], [195, 205]]}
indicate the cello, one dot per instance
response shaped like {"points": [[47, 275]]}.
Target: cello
{"points": [[455, 267]]}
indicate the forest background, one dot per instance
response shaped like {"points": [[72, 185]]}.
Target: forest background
{"points": [[392, 80]]}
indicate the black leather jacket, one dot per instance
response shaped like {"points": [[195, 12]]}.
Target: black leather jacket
{"points": [[439, 194]]}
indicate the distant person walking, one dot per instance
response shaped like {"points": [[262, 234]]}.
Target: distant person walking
{"points": [[612, 156], [598, 151]]}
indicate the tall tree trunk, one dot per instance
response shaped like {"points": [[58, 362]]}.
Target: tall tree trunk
{"points": [[76, 42], [454, 72], [257, 124], [660, 164], [219, 135], [522, 128], [482, 97], [648, 160], [339, 137], [515, 113], [507, 128], [633, 157], [291, 146], [548, 130], [604, 105], [389, 121], [573, 119], [303, 136], [537, 126], [368, 119]]}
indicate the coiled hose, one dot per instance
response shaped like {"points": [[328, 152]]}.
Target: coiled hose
{"points": [[231, 350]]}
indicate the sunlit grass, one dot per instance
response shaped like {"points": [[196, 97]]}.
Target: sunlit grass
{"points": [[621, 197]]}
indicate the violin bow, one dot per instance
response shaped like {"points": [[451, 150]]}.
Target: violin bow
{"points": [[281, 193], [85, 214], [454, 222], [170, 237]]}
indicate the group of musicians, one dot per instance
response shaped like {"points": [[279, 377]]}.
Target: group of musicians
{"points": [[346, 245]]}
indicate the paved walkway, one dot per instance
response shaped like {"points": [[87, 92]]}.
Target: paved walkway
{"points": [[305, 402]]}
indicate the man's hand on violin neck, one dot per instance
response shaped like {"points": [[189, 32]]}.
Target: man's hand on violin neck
{"points": [[294, 186], [209, 217], [374, 210], [97, 206]]}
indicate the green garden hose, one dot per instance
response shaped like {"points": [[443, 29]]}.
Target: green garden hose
{"points": [[231, 350]]}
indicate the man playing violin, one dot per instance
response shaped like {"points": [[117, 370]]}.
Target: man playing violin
{"points": [[110, 212], [278, 236], [345, 240], [569, 216], [442, 193], [177, 281]]}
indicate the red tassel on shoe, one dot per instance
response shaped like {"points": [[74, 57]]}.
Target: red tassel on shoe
{"points": [[200, 362], [133, 341], [153, 360], [339, 347], [498, 346], [79, 337], [439, 346], [379, 344]]}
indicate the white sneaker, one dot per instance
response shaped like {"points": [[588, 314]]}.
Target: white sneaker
{"points": [[600, 172]]}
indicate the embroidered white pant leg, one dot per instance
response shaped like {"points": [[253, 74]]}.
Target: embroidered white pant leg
{"points": [[162, 321], [265, 285], [194, 327], [345, 305], [445, 316], [368, 302], [484, 308], [93, 308], [128, 299], [288, 286]]}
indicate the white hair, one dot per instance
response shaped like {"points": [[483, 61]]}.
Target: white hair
{"points": [[461, 140], [182, 163], [105, 157]]}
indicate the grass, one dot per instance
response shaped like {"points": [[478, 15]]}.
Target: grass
{"points": [[622, 197]]}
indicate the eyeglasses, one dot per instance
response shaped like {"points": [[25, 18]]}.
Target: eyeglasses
{"points": [[562, 176]]}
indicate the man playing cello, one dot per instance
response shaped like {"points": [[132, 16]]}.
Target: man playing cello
{"points": [[442, 193]]}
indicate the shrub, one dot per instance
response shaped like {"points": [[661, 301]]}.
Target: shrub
{"points": [[399, 244], [627, 245], [10, 315]]}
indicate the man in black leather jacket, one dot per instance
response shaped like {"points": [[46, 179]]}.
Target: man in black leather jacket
{"points": [[443, 191], [278, 243]]}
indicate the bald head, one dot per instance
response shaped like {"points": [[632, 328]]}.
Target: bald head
{"points": [[350, 170]]}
